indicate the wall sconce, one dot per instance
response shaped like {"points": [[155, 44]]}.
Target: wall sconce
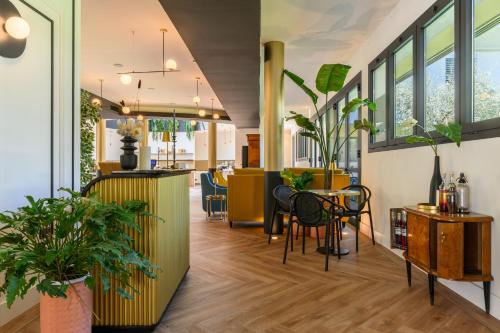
{"points": [[13, 31]]}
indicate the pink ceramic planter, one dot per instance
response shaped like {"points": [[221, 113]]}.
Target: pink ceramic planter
{"points": [[64, 315]]}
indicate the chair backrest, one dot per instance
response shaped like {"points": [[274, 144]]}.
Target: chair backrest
{"points": [[307, 207], [282, 194], [357, 203]]}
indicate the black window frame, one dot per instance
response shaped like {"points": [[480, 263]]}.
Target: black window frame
{"points": [[463, 53]]}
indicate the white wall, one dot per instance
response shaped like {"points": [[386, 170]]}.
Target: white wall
{"points": [[240, 141], [25, 114], [225, 143], [401, 177]]}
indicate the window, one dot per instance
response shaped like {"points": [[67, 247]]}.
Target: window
{"points": [[352, 145], [302, 146], [439, 69], [341, 155], [403, 88], [486, 63], [445, 67], [379, 97]]}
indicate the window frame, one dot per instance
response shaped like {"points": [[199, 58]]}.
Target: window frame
{"points": [[463, 66]]}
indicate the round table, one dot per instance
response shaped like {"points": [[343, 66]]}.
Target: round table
{"points": [[223, 206], [332, 194]]}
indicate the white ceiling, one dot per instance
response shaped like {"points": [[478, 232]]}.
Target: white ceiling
{"points": [[318, 32], [107, 27]]}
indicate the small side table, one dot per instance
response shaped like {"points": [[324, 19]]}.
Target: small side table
{"points": [[221, 198]]}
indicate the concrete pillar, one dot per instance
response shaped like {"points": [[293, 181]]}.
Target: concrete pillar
{"points": [[101, 140], [212, 146], [274, 60]]}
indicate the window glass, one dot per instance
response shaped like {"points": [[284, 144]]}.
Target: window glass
{"points": [[403, 88], [352, 148], [379, 96], [341, 153], [440, 69], [486, 64]]}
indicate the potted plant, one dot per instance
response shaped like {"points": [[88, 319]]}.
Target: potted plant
{"points": [[298, 183], [131, 131], [451, 131], [65, 247], [330, 78]]}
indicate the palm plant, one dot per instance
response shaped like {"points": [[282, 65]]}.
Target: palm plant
{"points": [[330, 78]]}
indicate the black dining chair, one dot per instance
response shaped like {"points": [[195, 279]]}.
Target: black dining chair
{"points": [[312, 210], [281, 194], [355, 207]]}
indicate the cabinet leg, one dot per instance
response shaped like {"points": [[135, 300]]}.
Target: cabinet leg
{"points": [[486, 289], [430, 277], [408, 272]]}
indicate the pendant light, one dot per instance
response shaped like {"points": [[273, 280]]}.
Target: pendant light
{"points": [[196, 99], [214, 115], [125, 109], [97, 102], [193, 123], [170, 64], [17, 27], [126, 78]]}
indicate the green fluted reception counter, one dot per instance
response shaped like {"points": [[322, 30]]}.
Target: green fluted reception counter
{"points": [[164, 243]]}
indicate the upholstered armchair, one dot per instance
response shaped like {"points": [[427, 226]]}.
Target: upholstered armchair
{"points": [[208, 187]]}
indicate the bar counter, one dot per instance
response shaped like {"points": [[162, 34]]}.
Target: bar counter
{"points": [[164, 243]]}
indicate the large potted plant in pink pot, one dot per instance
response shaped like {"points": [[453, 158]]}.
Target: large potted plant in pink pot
{"points": [[63, 247]]}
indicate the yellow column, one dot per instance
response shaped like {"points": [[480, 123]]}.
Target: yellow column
{"points": [[274, 55], [274, 61], [101, 140], [145, 133], [212, 146]]}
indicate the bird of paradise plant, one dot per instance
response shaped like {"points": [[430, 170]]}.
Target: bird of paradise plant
{"points": [[330, 78]]}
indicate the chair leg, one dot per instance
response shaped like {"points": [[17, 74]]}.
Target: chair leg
{"points": [[303, 239], [340, 231], [272, 224], [339, 225], [288, 234], [317, 236], [290, 226], [327, 245], [371, 222]]}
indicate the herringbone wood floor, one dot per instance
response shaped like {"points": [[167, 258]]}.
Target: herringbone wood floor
{"points": [[237, 283]]}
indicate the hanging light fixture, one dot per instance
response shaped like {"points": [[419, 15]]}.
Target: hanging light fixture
{"points": [[125, 109], [168, 65], [97, 102], [126, 78], [214, 115], [202, 113], [193, 123], [196, 99], [140, 117]]}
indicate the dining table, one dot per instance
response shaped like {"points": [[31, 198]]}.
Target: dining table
{"points": [[331, 194]]}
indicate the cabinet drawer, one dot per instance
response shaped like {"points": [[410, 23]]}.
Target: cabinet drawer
{"points": [[450, 250], [418, 240]]}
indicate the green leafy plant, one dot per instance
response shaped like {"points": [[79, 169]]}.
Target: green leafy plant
{"points": [[451, 131], [89, 117], [158, 126], [298, 183], [330, 78], [60, 239]]}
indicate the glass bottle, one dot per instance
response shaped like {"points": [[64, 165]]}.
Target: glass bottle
{"points": [[451, 196], [463, 194], [443, 203]]}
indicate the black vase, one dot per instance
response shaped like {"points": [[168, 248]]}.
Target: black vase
{"points": [[436, 180], [128, 160]]}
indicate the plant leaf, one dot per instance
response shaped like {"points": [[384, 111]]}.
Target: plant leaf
{"points": [[331, 77], [452, 131], [302, 121], [310, 135], [300, 82], [420, 139], [365, 125]]}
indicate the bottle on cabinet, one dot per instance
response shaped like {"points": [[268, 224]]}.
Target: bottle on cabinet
{"points": [[463, 194], [443, 203]]}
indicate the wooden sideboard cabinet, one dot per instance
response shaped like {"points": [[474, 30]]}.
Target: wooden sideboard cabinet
{"points": [[450, 246]]}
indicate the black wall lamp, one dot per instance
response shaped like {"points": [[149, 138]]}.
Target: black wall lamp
{"points": [[13, 31]]}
